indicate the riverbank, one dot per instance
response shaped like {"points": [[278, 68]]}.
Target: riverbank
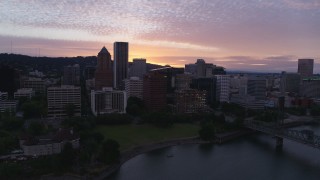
{"points": [[129, 154]]}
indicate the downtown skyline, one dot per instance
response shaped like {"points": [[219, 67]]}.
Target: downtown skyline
{"points": [[267, 36]]}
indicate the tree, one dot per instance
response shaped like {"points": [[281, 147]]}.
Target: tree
{"points": [[67, 156], [109, 152], [207, 132], [70, 110], [36, 128], [33, 109], [135, 106]]}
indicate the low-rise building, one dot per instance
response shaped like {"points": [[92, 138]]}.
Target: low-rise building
{"points": [[190, 101], [40, 146], [107, 101], [60, 97], [24, 92]]}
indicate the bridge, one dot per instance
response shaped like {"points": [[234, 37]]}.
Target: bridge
{"points": [[306, 137]]}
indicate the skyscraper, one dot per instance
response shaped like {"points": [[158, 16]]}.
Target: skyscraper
{"points": [[305, 67], [103, 74], [120, 67]]}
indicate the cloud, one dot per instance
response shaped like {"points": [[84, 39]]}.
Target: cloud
{"points": [[303, 4]]}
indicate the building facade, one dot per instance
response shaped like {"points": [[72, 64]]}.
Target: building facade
{"points": [[24, 92], [154, 91], [59, 97], [305, 67], [310, 88], [103, 73], [138, 68], [223, 88], [107, 101], [120, 67], [71, 75], [190, 101], [41, 146], [37, 84], [134, 87]]}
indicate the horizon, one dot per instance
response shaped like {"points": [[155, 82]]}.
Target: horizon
{"points": [[246, 36]]}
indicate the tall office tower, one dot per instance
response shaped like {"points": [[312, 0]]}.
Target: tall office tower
{"points": [[138, 68], [256, 87], [223, 88], [103, 74], [71, 75], [60, 97], [154, 91], [120, 66], [305, 67]]}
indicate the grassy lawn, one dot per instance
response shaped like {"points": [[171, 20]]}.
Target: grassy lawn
{"points": [[129, 136]]}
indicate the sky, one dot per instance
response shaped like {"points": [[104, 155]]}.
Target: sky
{"points": [[253, 35]]}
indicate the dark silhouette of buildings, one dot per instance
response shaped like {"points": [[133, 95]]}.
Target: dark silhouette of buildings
{"points": [[120, 68], [305, 67], [154, 91], [103, 74]]}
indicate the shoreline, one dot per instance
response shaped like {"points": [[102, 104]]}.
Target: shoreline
{"points": [[135, 151]]}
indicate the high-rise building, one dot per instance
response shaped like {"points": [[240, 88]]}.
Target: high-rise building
{"points": [[138, 68], [154, 91], [120, 66], [103, 73], [71, 75], [134, 87], [305, 67], [223, 88], [108, 100], [60, 97]]}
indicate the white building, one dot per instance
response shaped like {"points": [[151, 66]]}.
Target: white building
{"points": [[60, 97], [223, 88], [7, 105], [134, 87], [41, 146], [108, 100], [24, 92]]}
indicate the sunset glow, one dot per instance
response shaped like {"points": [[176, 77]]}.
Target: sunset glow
{"points": [[239, 35]]}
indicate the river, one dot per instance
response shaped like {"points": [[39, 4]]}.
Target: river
{"points": [[253, 157]]}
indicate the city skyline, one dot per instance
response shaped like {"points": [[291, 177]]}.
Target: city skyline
{"points": [[252, 35]]}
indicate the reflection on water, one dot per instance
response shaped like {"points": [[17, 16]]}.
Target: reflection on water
{"points": [[252, 157]]}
